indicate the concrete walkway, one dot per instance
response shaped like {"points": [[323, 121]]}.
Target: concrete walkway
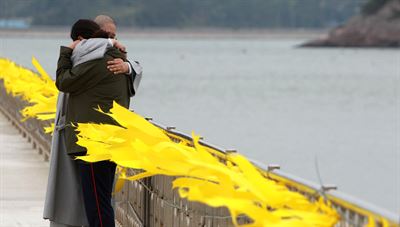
{"points": [[23, 179]]}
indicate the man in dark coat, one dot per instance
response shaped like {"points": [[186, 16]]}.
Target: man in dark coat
{"points": [[91, 85]]}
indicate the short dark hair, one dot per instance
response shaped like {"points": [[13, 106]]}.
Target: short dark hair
{"points": [[84, 28]]}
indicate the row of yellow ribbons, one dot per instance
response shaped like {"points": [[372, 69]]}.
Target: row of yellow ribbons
{"points": [[235, 184]]}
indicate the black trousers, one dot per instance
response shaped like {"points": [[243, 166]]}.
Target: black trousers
{"points": [[97, 184]]}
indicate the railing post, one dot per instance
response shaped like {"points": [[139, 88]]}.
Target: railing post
{"points": [[147, 202]]}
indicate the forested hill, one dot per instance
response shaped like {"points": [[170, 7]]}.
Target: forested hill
{"points": [[188, 13], [378, 25]]}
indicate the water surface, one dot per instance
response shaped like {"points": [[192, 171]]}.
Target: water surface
{"points": [[272, 102]]}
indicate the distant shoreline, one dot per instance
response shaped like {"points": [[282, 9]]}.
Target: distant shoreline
{"points": [[380, 29], [62, 32]]}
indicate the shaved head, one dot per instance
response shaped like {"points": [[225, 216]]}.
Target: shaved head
{"points": [[103, 19], [107, 24]]}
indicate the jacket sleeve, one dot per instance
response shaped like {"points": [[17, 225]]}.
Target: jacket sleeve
{"points": [[69, 79], [135, 77]]}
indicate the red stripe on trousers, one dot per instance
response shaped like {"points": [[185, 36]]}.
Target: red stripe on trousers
{"points": [[95, 195]]}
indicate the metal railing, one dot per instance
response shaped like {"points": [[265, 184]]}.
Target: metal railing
{"points": [[152, 202], [32, 129]]}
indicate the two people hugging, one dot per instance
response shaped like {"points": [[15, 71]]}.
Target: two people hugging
{"points": [[93, 71]]}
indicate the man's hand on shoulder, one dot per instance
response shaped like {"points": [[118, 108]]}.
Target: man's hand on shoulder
{"points": [[118, 45], [118, 66]]}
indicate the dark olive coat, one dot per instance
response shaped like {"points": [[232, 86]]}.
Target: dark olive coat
{"points": [[90, 85]]}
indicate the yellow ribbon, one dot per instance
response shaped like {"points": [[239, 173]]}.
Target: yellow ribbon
{"points": [[235, 184]]}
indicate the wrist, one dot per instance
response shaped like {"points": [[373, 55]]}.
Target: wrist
{"points": [[129, 68], [66, 50]]}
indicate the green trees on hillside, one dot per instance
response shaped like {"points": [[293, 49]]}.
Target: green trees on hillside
{"points": [[244, 13], [188, 13]]}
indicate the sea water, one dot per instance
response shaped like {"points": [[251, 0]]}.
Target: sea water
{"points": [[272, 102]]}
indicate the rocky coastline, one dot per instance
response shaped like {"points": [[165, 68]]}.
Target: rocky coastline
{"points": [[381, 29]]}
